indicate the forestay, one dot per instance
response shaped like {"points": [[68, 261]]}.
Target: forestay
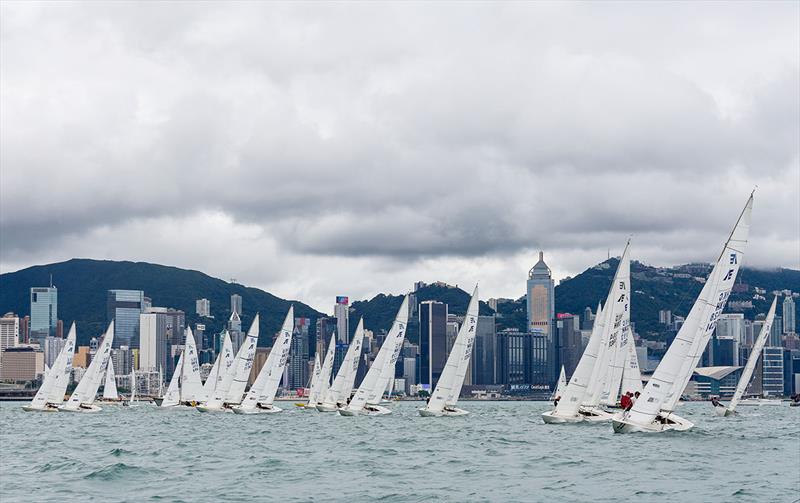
{"points": [[664, 388]]}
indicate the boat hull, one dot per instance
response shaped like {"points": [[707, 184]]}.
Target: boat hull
{"points": [[675, 423], [454, 412], [82, 408], [550, 417], [373, 410], [325, 407], [237, 409], [48, 408], [722, 412], [205, 408], [760, 403]]}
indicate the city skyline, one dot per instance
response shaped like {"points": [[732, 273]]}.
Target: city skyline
{"points": [[357, 168]]}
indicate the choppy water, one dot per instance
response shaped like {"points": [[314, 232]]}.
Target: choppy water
{"points": [[501, 452]]}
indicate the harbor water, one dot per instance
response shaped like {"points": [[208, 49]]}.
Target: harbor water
{"points": [[500, 452]]}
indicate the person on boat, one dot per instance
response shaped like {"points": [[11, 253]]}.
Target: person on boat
{"points": [[715, 402], [636, 396], [625, 402], [556, 400]]}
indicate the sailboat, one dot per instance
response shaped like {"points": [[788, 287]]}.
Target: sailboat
{"points": [[172, 398], [654, 410], [448, 388], [191, 386], [580, 401], [313, 385], [261, 396], [230, 390], [82, 399], [54, 385], [367, 399], [132, 398], [322, 381], [221, 365], [631, 374], [110, 395], [750, 366], [562, 384], [339, 392]]}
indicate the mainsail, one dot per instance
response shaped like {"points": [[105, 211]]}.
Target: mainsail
{"points": [[382, 369], [324, 381], [221, 365], [191, 385], [664, 388], [110, 386], [342, 385], [173, 395], [266, 384], [755, 354], [448, 388], [87, 389], [631, 375], [57, 378], [562, 384]]}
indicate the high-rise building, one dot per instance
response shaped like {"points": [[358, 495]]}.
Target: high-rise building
{"points": [[788, 315], [21, 363], [775, 338], [44, 313], [51, 347], [123, 358], [772, 371], [432, 341], [484, 351], [541, 307], [731, 326], [24, 329], [298, 354], [159, 329], [570, 344], [9, 334], [341, 311], [235, 331], [325, 329], [203, 307], [124, 308], [236, 304], [665, 316]]}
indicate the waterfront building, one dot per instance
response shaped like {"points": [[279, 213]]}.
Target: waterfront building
{"points": [[203, 307], [44, 313], [123, 358], [24, 329], [791, 371], [341, 311], [51, 346], [235, 331], [236, 304], [82, 357], [160, 328], [298, 354], [772, 371], [21, 363], [718, 380], [484, 351], [432, 342], [124, 308], [731, 326], [541, 307], [9, 333], [775, 338], [788, 315], [570, 343]]}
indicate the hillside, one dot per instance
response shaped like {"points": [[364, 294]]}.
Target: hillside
{"points": [[83, 284]]}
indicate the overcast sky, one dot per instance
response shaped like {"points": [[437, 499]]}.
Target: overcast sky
{"points": [[321, 149]]}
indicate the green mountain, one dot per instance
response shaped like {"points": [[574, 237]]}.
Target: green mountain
{"points": [[83, 284]]}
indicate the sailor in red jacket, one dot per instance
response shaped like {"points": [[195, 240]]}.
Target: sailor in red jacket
{"points": [[625, 402]]}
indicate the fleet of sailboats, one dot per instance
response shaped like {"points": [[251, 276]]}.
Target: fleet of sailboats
{"points": [[51, 393], [321, 377], [82, 399]]}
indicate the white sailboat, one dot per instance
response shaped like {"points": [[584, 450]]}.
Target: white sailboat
{"points": [[339, 392], [172, 398], [750, 366], [654, 410], [230, 390], [110, 395], [562, 384], [132, 398], [221, 365], [82, 399], [261, 396], [314, 385], [367, 399], [448, 388], [191, 386], [51, 393], [320, 386], [631, 374]]}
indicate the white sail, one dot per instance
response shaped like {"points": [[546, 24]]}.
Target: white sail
{"points": [[664, 388], [448, 388], [173, 395], [234, 380], [755, 354], [325, 373], [110, 385], [562, 384], [133, 386], [211, 380], [266, 384], [191, 385], [377, 379], [56, 379], [316, 384], [221, 365], [342, 385], [631, 375], [578, 386], [86, 391]]}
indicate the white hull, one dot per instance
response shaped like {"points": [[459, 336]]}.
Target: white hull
{"points": [[257, 410], [759, 402], [47, 408], [455, 411], [723, 412], [674, 423], [221, 408], [81, 408], [550, 417], [373, 410], [585, 415], [325, 407]]}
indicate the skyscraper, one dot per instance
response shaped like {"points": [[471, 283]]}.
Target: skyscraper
{"points": [[541, 303], [432, 341], [788, 315], [235, 331], [298, 354], [341, 311], [9, 334], [159, 329], [44, 313], [236, 304], [772, 371], [124, 307], [570, 344], [484, 353], [775, 338], [203, 307]]}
